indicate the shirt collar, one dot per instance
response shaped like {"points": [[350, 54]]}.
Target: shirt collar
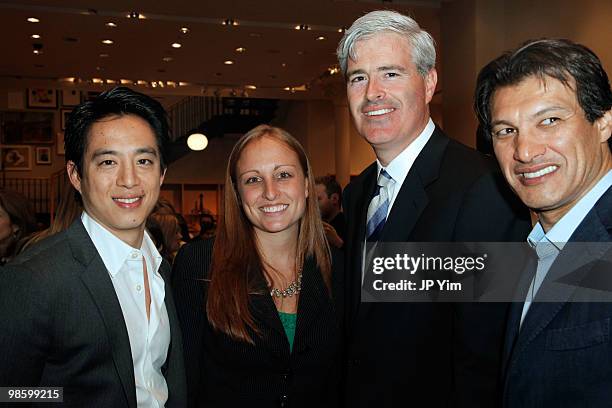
{"points": [[561, 232], [113, 251], [399, 167]]}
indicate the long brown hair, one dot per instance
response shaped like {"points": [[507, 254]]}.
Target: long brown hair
{"points": [[237, 261]]}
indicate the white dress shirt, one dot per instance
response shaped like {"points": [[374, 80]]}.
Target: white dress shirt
{"points": [[399, 167], [149, 338]]}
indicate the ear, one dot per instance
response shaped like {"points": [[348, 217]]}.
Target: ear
{"points": [[604, 126], [73, 175], [335, 198], [431, 80]]}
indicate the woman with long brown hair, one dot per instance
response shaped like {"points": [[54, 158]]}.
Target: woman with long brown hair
{"points": [[260, 324]]}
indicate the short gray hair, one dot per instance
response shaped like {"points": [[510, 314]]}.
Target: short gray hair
{"points": [[381, 21]]}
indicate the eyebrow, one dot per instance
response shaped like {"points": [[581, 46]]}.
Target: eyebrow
{"points": [[275, 168], [379, 69], [537, 114], [140, 150]]}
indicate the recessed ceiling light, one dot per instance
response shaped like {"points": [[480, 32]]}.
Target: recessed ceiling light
{"points": [[283, 65], [240, 49], [33, 20], [126, 81], [35, 36], [250, 87], [320, 38], [228, 62], [107, 42], [176, 45], [167, 59], [111, 24], [184, 84], [103, 55], [230, 22], [184, 30], [302, 27], [37, 52], [97, 80], [341, 29], [136, 15]]}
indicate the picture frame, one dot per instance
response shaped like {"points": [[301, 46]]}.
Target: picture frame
{"points": [[64, 115], [43, 98], [16, 157], [60, 148], [71, 97], [27, 127], [43, 155]]}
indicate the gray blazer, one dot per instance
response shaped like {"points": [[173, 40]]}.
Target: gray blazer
{"points": [[62, 325]]}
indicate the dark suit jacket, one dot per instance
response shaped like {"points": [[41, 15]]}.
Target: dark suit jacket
{"points": [[222, 372], [62, 326], [434, 354], [562, 356]]}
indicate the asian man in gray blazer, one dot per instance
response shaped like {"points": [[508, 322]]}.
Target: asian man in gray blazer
{"points": [[89, 309]]}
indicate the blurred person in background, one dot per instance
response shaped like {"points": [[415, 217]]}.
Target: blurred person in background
{"points": [[17, 221], [329, 195], [166, 232], [68, 209]]}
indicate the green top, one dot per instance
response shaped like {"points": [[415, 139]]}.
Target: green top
{"points": [[288, 320]]}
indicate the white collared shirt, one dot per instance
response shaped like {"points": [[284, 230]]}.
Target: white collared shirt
{"points": [[399, 167], [149, 338]]}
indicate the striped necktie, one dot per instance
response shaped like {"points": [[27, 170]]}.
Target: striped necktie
{"points": [[379, 206]]}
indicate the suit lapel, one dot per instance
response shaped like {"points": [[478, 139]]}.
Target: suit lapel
{"points": [[173, 369], [312, 298], [95, 277], [594, 228], [359, 209], [412, 197], [410, 202]]}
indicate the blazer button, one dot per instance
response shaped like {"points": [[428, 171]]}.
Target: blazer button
{"points": [[284, 401], [286, 376]]}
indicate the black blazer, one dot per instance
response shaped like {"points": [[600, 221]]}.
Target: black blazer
{"points": [[433, 355], [562, 355], [222, 372], [62, 326]]}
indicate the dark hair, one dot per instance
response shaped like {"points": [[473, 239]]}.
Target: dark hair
{"points": [[115, 102], [236, 260], [21, 214], [331, 186], [561, 59]]}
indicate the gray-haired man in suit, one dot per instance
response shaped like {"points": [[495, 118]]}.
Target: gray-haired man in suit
{"points": [[89, 309]]}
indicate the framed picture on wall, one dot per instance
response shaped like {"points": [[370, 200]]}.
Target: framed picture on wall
{"points": [[43, 155], [26, 127], [42, 98], [15, 157], [71, 97], [60, 149], [65, 114]]}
